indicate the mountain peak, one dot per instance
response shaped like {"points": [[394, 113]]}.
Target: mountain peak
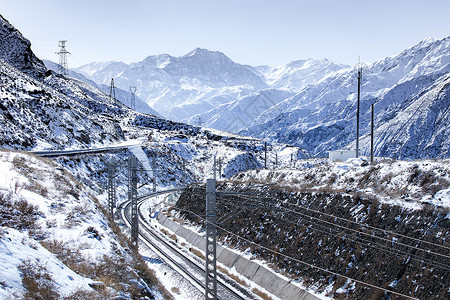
{"points": [[202, 52]]}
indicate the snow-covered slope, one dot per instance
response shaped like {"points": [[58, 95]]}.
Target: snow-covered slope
{"points": [[122, 95], [33, 115], [298, 74], [238, 114], [321, 117]]}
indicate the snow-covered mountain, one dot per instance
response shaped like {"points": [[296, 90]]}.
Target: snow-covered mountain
{"points": [[176, 86], [208, 85], [321, 116], [40, 109]]}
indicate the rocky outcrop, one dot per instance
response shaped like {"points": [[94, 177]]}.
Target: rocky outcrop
{"points": [[16, 51]]}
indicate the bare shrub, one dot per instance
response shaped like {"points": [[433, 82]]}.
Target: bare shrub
{"points": [[36, 187], [76, 216], [72, 258], [93, 232], [37, 281], [83, 294], [17, 214], [20, 163], [332, 179]]}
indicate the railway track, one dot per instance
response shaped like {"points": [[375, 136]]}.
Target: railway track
{"points": [[187, 267]]}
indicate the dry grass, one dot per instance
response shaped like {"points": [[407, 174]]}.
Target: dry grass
{"points": [[111, 270], [35, 186], [197, 253], [82, 294], [232, 276], [77, 215], [180, 221], [170, 235], [261, 294]]}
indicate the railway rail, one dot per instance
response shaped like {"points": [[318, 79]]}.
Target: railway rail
{"points": [[184, 265]]}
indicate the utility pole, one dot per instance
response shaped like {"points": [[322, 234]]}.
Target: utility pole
{"points": [[133, 90], [359, 68], [276, 160], [154, 172], [292, 156], [112, 91], [111, 188], [132, 197], [63, 66], [211, 234], [219, 171], [200, 121], [371, 137], [265, 155], [215, 167]]}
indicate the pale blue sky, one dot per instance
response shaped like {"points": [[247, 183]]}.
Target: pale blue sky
{"points": [[251, 32]]}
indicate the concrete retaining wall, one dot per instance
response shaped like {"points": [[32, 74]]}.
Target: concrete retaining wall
{"points": [[260, 275]]}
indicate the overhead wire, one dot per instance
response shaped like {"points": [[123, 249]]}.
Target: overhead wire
{"points": [[298, 260], [354, 230], [355, 223], [362, 241]]}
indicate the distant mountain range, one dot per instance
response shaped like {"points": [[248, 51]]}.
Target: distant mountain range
{"points": [[195, 85], [307, 103]]}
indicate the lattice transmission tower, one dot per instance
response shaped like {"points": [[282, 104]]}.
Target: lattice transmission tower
{"points": [[63, 67], [133, 97]]}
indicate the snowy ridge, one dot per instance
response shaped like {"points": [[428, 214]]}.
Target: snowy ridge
{"points": [[236, 115], [124, 96], [202, 80], [298, 74]]}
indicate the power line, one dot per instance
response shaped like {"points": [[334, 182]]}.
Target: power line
{"points": [[353, 222], [240, 208], [354, 230], [347, 236], [298, 260]]}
